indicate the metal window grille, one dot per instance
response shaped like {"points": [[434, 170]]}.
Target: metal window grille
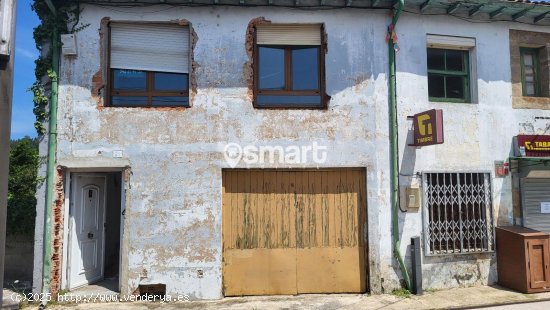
{"points": [[458, 216]]}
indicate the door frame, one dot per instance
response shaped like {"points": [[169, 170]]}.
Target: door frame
{"points": [[69, 176]]}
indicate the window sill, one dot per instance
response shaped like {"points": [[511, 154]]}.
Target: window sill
{"points": [[288, 107], [148, 107], [446, 100], [526, 102]]}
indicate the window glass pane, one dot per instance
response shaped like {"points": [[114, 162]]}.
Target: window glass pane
{"points": [[298, 101], [436, 59], [271, 68], [527, 59], [529, 78], [165, 101], [128, 101], [170, 81], [129, 80], [455, 60], [305, 68], [455, 86], [436, 86], [529, 89]]}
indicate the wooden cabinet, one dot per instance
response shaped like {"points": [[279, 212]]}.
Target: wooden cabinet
{"points": [[523, 259]]}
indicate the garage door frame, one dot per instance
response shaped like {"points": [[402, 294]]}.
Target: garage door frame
{"points": [[313, 178]]}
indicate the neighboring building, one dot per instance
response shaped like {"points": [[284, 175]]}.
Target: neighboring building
{"points": [[151, 96], [7, 51]]}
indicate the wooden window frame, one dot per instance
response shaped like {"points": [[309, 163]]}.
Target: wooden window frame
{"points": [[465, 74], [149, 93], [321, 91], [536, 71]]}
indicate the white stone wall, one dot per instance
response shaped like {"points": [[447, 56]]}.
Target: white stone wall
{"points": [[173, 218]]}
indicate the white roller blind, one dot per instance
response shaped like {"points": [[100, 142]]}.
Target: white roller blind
{"points": [[452, 42], [304, 34], [533, 193], [150, 47]]}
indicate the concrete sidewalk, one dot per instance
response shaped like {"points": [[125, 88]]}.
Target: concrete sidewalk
{"points": [[471, 297]]}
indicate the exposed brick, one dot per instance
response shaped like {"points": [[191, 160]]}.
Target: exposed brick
{"points": [[57, 236]]}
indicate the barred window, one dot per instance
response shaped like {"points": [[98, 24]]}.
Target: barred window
{"points": [[458, 216]]}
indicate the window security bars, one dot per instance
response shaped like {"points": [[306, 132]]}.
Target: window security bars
{"points": [[458, 216]]}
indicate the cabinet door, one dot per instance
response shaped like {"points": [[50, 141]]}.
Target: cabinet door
{"points": [[538, 263]]}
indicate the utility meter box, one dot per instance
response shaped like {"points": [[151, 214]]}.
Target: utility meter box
{"points": [[7, 27], [412, 197], [68, 42]]}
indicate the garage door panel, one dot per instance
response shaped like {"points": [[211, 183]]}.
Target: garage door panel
{"points": [[330, 270], [260, 272], [311, 220]]}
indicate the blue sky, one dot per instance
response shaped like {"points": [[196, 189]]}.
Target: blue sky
{"points": [[25, 54]]}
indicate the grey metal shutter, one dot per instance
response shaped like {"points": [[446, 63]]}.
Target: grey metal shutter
{"points": [[150, 47], [533, 192], [289, 34]]}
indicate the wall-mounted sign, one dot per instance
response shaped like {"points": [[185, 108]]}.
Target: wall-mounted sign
{"points": [[501, 169], [428, 128], [545, 207], [534, 145]]}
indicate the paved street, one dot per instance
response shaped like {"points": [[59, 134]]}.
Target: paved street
{"points": [[472, 298], [545, 305]]}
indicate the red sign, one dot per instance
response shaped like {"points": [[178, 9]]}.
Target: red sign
{"points": [[428, 128], [501, 169], [534, 145]]}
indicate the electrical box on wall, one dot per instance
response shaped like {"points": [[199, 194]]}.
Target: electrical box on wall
{"points": [[69, 44], [412, 196], [7, 26]]}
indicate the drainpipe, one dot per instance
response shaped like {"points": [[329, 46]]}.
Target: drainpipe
{"points": [[52, 147], [394, 152]]}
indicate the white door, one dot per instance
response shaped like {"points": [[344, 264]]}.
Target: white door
{"points": [[86, 230]]}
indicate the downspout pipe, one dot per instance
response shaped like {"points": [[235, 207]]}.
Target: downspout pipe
{"points": [[394, 152], [52, 148]]}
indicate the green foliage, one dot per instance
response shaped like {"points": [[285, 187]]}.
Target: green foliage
{"points": [[22, 183], [402, 293], [67, 13]]}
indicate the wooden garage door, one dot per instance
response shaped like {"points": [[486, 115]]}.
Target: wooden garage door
{"points": [[290, 232]]}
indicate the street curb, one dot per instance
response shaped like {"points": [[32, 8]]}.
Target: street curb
{"points": [[503, 304]]}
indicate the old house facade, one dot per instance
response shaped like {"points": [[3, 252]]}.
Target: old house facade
{"points": [[168, 115]]}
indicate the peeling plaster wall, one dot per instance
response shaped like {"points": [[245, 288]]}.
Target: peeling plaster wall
{"points": [[173, 215], [173, 200], [476, 134]]}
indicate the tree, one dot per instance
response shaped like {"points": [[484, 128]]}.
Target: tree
{"points": [[22, 183]]}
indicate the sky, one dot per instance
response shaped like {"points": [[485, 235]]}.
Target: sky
{"points": [[25, 54]]}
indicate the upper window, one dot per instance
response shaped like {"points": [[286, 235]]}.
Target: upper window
{"points": [[530, 76], [149, 65], [289, 66], [448, 75], [458, 213]]}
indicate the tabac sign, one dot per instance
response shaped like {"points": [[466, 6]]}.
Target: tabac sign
{"points": [[428, 128], [534, 145]]}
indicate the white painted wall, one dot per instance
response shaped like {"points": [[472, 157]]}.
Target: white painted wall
{"points": [[476, 135], [173, 225]]}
